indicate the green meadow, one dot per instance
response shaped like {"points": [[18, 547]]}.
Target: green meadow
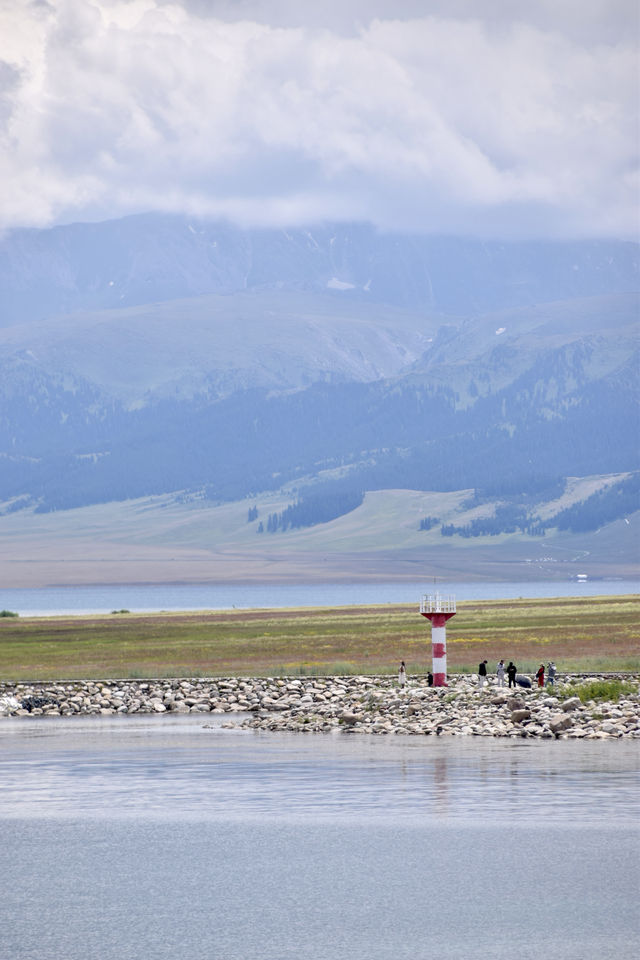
{"points": [[580, 634]]}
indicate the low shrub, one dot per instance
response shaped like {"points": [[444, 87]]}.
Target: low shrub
{"points": [[602, 690]]}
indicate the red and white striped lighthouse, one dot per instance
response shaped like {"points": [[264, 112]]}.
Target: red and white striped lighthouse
{"points": [[438, 610]]}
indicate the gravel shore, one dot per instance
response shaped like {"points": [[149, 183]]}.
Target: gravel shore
{"points": [[368, 705]]}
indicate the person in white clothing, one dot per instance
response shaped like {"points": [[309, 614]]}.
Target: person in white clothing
{"points": [[500, 669], [402, 675]]}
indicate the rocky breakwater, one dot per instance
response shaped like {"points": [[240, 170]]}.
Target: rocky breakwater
{"points": [[379, 707], [367, 705], [115, 697]]}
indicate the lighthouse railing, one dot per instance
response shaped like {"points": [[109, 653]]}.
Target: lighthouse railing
{"points": [[436, 603]]}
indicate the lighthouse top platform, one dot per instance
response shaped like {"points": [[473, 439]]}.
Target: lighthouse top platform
{"points": [[436, 603]]}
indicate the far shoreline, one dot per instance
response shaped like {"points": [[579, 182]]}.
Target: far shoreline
{"points": [[307, 581], [96, 600], [302, 609], [73, 572]]}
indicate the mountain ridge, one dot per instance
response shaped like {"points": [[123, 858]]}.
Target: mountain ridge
{"points": [[151, 257], [214, 345]]}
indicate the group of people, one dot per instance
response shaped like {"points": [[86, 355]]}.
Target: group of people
{"points": [[501, 671], [511, 672]]}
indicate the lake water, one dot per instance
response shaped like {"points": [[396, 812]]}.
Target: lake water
{"points": [[151, 597], [165, 838]]}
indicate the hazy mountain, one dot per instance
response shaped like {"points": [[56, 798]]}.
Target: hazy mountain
{"points": [[157, 354], [569, 407], [557, 348], [214, 345], [151, 258]]}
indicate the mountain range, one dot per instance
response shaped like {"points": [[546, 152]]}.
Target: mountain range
{"points": [[161, 354], [153, 258]]}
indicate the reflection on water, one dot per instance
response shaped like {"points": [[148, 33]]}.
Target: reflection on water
{"points": [[137, 838], [183, 767]]}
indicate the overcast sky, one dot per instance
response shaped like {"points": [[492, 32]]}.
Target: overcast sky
{"points": [[492, 117]]}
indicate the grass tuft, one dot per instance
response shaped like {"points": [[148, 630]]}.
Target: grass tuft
{"points": [[600, 690]]}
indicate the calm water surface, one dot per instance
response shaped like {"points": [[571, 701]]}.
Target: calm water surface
{"points": [[219, 596], [175, 838]]}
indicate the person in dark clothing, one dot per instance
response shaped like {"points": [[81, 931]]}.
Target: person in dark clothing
{"points": [[511, 673], [482, 673], [430, 679]]}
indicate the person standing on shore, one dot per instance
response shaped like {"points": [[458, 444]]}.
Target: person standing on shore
{"points": [[551, 674], [511, 673], [500, 673], [540, 675], [402, 675], [482, 674]]}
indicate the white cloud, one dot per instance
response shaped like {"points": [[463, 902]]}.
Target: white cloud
{"points": [[447, 121]]}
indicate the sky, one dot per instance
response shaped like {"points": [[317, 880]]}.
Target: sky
{"points": [[496, 118]]}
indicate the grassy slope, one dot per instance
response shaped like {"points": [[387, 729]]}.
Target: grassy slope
{"points": [[160, 540], [278, 339], [578, 633]]}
